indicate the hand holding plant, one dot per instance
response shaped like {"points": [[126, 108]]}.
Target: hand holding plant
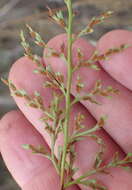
{"points": [[58, 95]]}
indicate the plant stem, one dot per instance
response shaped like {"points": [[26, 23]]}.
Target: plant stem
{"points": [[54, 161], [116, 164], [53, 139], [87, 132], [68, 99], [87, 174]]}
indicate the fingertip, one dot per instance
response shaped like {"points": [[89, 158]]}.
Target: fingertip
{"points": [[21, 61], [12, 115], [117, 65], [113, 39], [15, 131], [21, 69], [23, 77], [7, 116], [30, 171]]}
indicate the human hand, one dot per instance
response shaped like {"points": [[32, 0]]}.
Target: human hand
{"points": [[33, 172]]}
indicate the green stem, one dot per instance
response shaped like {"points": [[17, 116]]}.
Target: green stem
{"points": [[53, 141], [53, 158], [87, 132], [68, 99], [87, 174], [117, 164]]}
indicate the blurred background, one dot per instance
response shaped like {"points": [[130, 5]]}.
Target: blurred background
{"points": [[14, 14]]}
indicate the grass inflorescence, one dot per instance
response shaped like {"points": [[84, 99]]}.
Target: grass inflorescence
{"points": [[56, 119]]}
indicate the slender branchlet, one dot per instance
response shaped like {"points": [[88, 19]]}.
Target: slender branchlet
{"points": [[36, 36], [55, 118], [57, 17], [96, 20]]}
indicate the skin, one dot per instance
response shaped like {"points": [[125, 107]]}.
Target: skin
{"points": [[23, 127]]}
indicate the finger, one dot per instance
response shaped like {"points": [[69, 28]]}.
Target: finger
{"points": [[118, 65], [32, 172], [116, 108], [84, 148]]}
